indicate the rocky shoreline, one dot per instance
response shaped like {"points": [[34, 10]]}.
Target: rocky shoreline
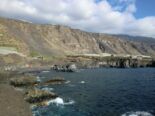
{"points": [[113, 61], [30, 83], [29, 94], [27, 81]]}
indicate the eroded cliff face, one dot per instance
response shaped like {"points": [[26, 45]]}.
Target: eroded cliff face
{"points": [[51, 40]]}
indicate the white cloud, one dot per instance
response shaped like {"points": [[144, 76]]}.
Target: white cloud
{"points": [[131, 8], [83, 14]]}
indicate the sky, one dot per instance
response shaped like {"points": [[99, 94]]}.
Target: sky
{"points": [[133, 17]]}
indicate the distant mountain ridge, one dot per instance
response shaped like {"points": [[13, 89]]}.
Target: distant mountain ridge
{"points": [[54, 40]]}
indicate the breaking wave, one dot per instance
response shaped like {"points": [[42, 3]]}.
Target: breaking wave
{"points": [[137, 113], [82, 82], [60, 101]]}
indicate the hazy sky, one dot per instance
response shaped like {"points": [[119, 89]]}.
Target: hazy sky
{"points": [[134, 17]]}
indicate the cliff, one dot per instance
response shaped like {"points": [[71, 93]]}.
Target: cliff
{"points": [[55, 40]]}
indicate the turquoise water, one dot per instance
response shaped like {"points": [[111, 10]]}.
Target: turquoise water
{"points": [[102, 92]]}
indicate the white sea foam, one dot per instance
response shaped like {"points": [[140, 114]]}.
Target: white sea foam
{"points": [[38, 79], [82, 82], [35, 113], [137, 113], [57, 101], [60, 101], [47, 89], [70, 102], [33, 106], [45, 71], [67, 82]]}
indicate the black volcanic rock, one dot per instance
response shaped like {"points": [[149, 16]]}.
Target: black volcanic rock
{"points": [[36, 95]]}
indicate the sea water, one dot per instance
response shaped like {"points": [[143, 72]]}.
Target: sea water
{"points": [[101, 92]]}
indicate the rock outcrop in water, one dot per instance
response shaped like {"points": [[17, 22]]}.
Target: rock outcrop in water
{"points": [[65, 68], [24, 81], [37, 96], [31, 81], [29, 85], [54, 81]]}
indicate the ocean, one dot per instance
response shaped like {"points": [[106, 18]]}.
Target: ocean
{"points": [[101, 92]]}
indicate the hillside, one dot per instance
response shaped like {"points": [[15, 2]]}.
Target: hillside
{"points": [[55, 40]]}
